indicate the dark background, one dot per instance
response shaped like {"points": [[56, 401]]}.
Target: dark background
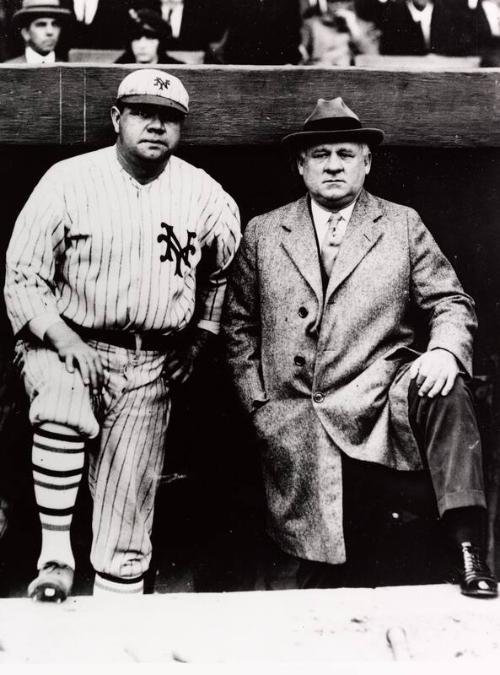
{"points": [[209, 521]]}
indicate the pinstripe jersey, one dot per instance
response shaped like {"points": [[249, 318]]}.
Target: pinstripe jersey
{"points": [[95, 246]]}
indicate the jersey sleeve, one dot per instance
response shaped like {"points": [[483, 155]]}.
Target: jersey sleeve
{"points": [[220, 237], [37, 239]]}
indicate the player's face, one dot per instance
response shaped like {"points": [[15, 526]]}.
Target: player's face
{"points": [[147, 133], [334, 173], [42, 34], [145, 49]]}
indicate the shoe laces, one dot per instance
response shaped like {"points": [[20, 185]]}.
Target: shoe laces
{"points": [[474, 564]]}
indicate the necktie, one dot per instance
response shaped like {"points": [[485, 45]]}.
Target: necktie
{"points": [[167, 9], [331, 243]]}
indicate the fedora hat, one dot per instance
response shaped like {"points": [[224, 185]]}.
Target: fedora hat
{"points": [[333, 121], [34, 9]]}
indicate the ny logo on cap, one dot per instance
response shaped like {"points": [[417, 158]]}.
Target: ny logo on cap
{"points": [[161, 84]]}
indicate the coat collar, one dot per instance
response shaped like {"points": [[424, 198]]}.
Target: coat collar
{"points": [[363, 231], [300, 244]]}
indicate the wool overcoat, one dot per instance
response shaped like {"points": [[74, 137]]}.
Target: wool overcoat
{"points": [[325, 371]]}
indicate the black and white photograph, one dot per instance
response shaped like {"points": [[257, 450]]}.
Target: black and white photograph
{"points": [[250, 334]]}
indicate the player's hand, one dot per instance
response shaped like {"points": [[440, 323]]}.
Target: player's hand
{"points": [[434, 372], [76, 354], [180, 364], [179, 367]]}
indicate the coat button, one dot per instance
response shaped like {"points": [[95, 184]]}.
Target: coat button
{"points": [[318, 397], [303, 312], [299, 361]]}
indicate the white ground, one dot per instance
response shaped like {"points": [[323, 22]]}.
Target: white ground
{"points": [[425, 623]]}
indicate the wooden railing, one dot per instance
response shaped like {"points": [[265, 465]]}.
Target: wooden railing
{"points": [[233, 106]]}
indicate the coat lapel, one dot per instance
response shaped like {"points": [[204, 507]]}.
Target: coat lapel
{"points": [[299, 241], [361, 235]]}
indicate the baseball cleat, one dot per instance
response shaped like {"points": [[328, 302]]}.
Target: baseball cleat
{"points": [[53, 583]]}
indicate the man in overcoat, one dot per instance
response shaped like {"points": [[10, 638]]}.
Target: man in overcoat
{"points": [[320, 325]]}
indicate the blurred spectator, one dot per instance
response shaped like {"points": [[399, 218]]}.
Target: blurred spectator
{"points": [[100, 24], [489, 46], [489, 12], [195, 24], [491, 56], [39, 23], [147, 38], [332, 35], [482, 28], [306, 5], [262, 32], [418, 27], [3, 30], [371, 10]]}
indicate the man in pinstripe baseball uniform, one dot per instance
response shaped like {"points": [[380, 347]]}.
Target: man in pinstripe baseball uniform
{"points": [[102, 292]]}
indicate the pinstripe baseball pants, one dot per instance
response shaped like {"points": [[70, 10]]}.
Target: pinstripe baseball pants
{"points": [[131, 417]]}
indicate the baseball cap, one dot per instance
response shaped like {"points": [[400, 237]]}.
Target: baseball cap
{"points": [[153, 87]]}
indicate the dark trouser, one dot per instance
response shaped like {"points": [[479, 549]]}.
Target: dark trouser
{"points": [[446, 431]]}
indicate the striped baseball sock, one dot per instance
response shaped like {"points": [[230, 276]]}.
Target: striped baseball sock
{"points": [[106, 584], [58, 459]]}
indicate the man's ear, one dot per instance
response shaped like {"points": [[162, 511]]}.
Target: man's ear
{"points": [[25, 35], [368, 162], [300, 163], [115, 118]]}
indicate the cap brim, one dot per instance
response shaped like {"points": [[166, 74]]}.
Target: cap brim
{"points": [[151, 99], [369, 136]]}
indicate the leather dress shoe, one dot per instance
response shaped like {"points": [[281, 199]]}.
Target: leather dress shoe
{"points": [[476, 580], [53, 583]]}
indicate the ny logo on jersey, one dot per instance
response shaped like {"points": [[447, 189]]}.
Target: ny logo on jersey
{"points": [[174, 246], [161, 84]]}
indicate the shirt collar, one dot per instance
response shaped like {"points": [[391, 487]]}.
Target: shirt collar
{"points": [[419, 14], [492, 12], [34, 57], [137, 184], [321, 215], [85, 10]]}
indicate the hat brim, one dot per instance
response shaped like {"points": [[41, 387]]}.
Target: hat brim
{"points": [[24, 16], [155, 32], [151, 99], [371, 137], [151, 22]]}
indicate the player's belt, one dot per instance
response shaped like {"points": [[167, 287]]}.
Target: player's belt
{"points": [[136, 341]]}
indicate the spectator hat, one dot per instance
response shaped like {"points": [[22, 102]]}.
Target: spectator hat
{"points": [[34, 9], [147, 22], [333, 121], [153, 87]]}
